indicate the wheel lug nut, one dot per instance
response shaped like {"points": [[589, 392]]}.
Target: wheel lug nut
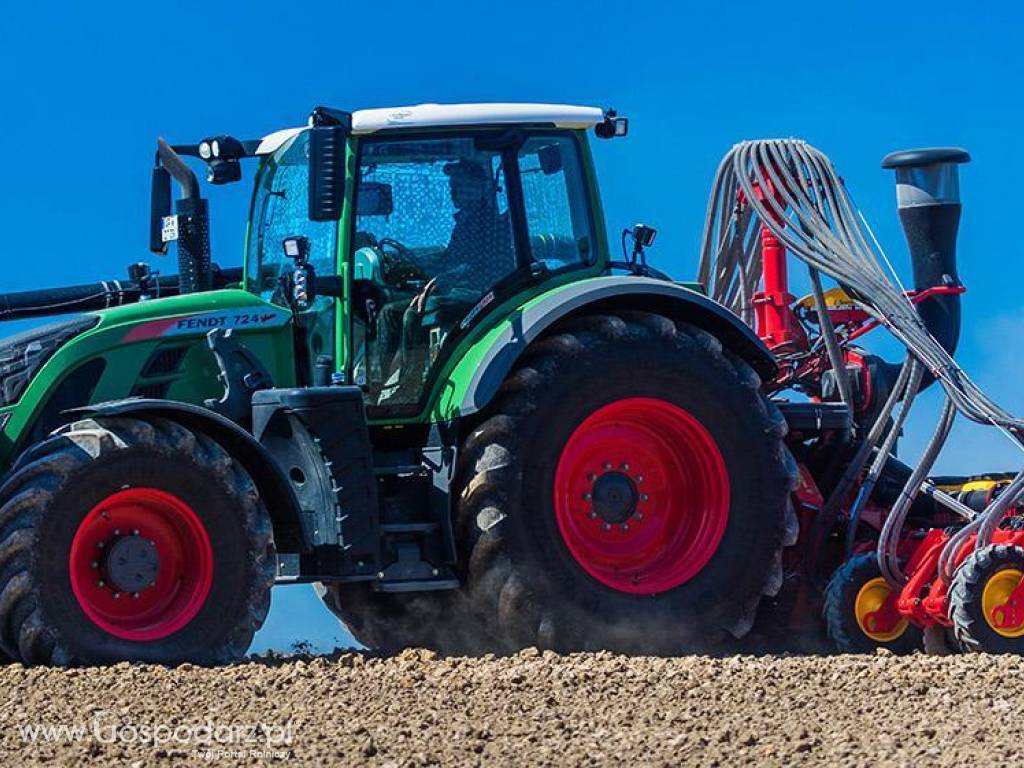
{"points": [[591, 477], [625, 467], [94, 564], [101, 583], [117, 531], [135, 595], [607, 526], [586, 497], [117, 595], [592, 515], [101, 545], [643, 497], [639, 478], [624, 526], [638, 515], [135, 531], [607, 465]]}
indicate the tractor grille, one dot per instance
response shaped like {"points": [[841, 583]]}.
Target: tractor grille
{"points": [[22, 355], [164, 361]]}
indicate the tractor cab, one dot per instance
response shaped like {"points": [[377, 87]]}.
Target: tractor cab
{"points": [[439, 213]]}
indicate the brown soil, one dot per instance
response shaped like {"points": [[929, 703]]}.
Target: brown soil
{"points": [[529, 709]]}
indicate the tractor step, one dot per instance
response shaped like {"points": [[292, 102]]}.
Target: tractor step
{"points": [[402, 469], [423, 585], [419, 528]]}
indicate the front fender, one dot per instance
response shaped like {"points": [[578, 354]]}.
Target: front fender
{"points": [[273, 486], [476, 378]]}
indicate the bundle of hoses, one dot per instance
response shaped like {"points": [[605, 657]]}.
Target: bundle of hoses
{"points": [[792, 189]]}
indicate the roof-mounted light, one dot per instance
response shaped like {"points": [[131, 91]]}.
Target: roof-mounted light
{"points": [[613, 127]]}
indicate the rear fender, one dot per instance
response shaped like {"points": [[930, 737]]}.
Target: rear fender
{"points": [[476, 378]]}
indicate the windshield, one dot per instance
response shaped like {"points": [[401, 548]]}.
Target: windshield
{"points": [[280, 209]]}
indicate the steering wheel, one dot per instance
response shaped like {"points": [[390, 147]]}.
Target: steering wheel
{"points": [[400, 265]]}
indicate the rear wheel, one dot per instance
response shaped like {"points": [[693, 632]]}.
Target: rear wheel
{"points": [[860, 612], [985, 600], [628, 490], [131, 539]]}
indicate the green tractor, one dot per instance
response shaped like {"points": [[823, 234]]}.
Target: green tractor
{"points": [[430, 390]]}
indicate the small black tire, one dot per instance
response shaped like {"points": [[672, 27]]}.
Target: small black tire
{"points": [[839, 610], [971, 627], [60, 482], [522, 586]]}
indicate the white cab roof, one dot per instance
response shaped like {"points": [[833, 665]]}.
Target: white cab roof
{"points": [[366, 121], [442, 115]]}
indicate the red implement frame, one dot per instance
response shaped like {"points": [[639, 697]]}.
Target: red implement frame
{"points": [[924, 599]]}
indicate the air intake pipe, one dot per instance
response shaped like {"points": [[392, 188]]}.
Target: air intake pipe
{"points": [[928, 198]]}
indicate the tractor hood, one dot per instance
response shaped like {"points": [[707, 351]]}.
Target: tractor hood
{"points": [[23, 354]]}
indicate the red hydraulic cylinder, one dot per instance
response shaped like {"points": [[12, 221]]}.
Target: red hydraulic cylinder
{"points": [[776, 324]]}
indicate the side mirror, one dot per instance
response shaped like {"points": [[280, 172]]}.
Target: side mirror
{"points": [[550, 159], [326, 172], [613, 127], [159, 207], [374, 198]]}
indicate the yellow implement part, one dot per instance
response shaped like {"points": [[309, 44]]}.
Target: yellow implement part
{"points": [[835, 298], [994, 597], [870, 598]]}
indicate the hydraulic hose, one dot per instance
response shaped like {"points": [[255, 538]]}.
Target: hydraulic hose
{"points": [[829, 512], [910, 391], [99, 295], [812, 214], [814, 217], [887, 552]]}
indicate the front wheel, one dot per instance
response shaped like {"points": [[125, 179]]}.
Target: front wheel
{"points": [[131, 539]]}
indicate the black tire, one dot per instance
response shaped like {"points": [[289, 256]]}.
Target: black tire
{"points": [[53, 487], [970, 626], [840, 613], [522, 586]]}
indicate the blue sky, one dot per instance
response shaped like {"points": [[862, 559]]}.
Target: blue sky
{"points": [[88, 87]]}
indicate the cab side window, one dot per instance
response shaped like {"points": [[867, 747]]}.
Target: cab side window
{"points": [[432, 235], [555, 201]]}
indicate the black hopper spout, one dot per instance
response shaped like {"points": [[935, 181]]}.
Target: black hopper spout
{"points": [[928, 197]]}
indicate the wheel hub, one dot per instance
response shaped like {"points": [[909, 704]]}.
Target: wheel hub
{"points": [[132, 563], [999, 604], [641, 495], [141, 564], [614, 497]]}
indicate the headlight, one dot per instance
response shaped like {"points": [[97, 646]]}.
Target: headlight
{"points": [[23, 354]]}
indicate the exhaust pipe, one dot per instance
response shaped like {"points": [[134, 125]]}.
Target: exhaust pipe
{"points": [[192, 220], [928, 198]]}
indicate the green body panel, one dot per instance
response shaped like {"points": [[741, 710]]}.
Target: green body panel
{"points": [[454, 385], [127, 337]]}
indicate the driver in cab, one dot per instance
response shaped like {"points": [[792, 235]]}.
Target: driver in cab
{"points": [[479, 254]]}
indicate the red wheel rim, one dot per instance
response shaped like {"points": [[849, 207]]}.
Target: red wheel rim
{"points": [[641, 495], [141, 564]]}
